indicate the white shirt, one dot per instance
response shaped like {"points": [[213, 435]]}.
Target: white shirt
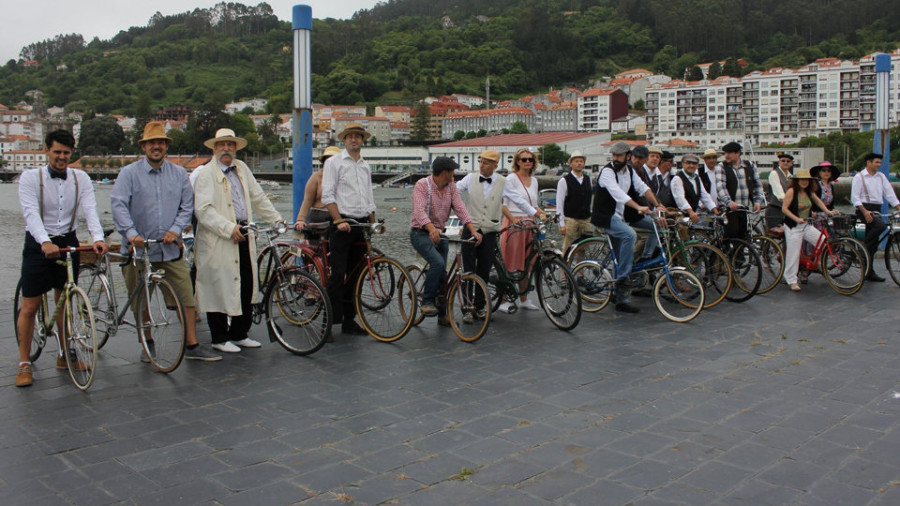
{"points": [[466, 182], [877, 187], [562, 189], [59, 203], [519, 200], [348, 183], [711, 172], [678, 193], [619, 189]]}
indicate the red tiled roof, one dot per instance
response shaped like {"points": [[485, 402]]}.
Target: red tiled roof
{"points": [[519, 139], [596, 92]]}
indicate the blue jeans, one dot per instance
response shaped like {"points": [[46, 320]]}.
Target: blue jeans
{"points": [[623, 238], [436, 256]]}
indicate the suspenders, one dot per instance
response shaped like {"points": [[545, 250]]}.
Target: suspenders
{"points": [[74, 208]]}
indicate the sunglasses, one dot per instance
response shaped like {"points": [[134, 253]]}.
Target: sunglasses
{"points": [[530, 160]]}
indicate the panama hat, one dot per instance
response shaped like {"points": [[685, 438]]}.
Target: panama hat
{"points": [[226, 134], [354, 128]]}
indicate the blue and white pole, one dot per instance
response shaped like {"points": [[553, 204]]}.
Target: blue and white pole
{"points": [[302, 116], [882, 115]]}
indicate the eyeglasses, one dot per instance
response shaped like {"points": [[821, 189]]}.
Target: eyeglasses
{"points": [[526, 160]]}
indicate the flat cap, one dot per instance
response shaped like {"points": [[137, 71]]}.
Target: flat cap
{"points": [[619, 148], [732, 147], [640, 152], [690, 157]]}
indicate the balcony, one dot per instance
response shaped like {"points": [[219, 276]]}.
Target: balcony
{"points": [[849, 124]]}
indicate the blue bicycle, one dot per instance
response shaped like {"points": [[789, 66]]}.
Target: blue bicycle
{"points": [[677, 293]]}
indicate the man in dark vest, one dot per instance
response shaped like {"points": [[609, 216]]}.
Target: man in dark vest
{"points": [[688, 191], [573, 201], [778, 184], [616, 211], [707, 172], [737, 185], [663, 178]]}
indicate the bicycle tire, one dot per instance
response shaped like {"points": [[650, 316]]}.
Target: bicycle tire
{"points": [[81, 340], [591, 248], [297, 311], [746, 268], [710, 265], [307, 262], [385, 299], [39, 336], [596, 283], [462, 298], [418, 277], [558, 293], [863, 252], [96, 286], [892, 256], [165, 328], [772, 256], [842, 267], [678, 295]]}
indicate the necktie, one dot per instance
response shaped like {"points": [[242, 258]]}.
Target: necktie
{"points": [[482, 179], [57, 175]]}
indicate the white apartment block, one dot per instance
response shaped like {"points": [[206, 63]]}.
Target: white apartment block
{"points": [[255, 104], [489, 120], [379, 127], [775, 106], [19, 160], [560, 117]]}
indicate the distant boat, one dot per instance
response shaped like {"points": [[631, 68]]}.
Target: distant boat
{"points": [[454, 227]]}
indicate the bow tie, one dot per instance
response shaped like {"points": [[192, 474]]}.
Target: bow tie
{"points": [[482, 179], [57, 175], [229, 169]]}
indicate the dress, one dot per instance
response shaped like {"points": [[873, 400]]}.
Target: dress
{"points": [[520, 201]]}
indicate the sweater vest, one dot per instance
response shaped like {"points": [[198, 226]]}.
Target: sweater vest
{"points": [[486, 213], [605, 205], [690, 190], [578, 197]]}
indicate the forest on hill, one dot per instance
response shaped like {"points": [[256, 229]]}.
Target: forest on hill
{"points": [[403, 50]]}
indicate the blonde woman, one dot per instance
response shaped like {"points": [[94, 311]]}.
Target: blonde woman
{"points": [[520, 201]]}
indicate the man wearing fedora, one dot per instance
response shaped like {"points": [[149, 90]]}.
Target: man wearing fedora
{"points": [[779, 178], [153, 199], [707, 173], [226, 198], [347, 194], [573, 201]]}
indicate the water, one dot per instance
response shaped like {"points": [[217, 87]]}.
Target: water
{"points": [[394, 206]]}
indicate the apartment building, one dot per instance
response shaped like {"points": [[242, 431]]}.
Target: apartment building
{"points": [[488, 120], [21, 159], [599, 107]]}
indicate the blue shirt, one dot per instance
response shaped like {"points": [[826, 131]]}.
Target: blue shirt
{"points": [[150, 202]]}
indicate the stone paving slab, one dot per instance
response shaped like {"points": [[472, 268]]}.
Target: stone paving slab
{"points": [[785, 399]]}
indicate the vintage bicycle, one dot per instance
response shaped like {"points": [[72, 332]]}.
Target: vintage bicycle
{"points": [[79, 343], [838, 260]]}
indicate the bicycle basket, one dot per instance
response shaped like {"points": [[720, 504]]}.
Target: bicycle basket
{"points": [[843, 223]]}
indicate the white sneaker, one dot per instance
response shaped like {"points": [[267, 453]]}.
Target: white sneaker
{"points": [[226, 347], [527, 304], [247, 343], [504, 307]]}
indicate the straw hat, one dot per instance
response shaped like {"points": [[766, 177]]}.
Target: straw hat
{"points": [[577, 154], [354, 128], [710, 152], [329, 152], [154, 130], [802, 174], [490, 154], [226, 134]]}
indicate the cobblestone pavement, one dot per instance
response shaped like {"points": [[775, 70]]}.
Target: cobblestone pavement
{"points": [[786, 399]]}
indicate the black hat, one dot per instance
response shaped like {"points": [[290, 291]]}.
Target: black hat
{"points": [[785, 155], [443, 163], [667, 155], [732, 147], [640, 152]]}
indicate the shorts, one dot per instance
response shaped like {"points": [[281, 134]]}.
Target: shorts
{"points": [[40, 274], [176, 273]]}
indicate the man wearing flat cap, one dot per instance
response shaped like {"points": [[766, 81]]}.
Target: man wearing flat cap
{"points": [[738, 185], [662, 179], [347, 194], [707, 172], [432, 200], [616, 211], [485, 206], [573, 201], [688, 191], [153, 199], [779, 179], [227, 198]]}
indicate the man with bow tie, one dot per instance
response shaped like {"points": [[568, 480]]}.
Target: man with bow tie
{"points": [[573, 202], [485, 206], [50, 197], [226, 196]]}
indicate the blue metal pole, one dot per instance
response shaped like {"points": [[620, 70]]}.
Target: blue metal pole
{"points": [[882, 141], [302, 114]]}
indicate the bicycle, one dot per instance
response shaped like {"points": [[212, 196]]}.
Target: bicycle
{"points": [[768, 243], [746, 262], [80, 341], [463, 295], [892, 247], [295, 307], [678, 293], [159, 315], [837, 259], [546, 272], [384, 294]]}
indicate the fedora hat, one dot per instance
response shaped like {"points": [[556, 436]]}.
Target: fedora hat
{"points": [[154, 130], [710, 152], [329, 152], [226, 134], [802, 174], [577, 154], [825, 165], [490, 154], [354, 128]]}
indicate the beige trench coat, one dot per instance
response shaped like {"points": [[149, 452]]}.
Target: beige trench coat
{"points": [[216, 255]]}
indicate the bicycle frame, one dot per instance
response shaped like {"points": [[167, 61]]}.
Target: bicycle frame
{"points": [[506, 282]]}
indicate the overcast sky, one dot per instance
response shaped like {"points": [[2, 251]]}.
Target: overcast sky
{"points": [[37, 20]]}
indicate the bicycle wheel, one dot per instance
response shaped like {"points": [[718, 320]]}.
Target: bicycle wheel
{"points": [[161, 325], [96, 287], [81, 344], [462, 299], [595, 282], [678, 294], [558, 293], [710, 265], [892, 256], [418, 277], [864, 253], [592, 248], [39, 336], [385, 299], [772, 257], [298, 312], [746, 269], [842, 266]]}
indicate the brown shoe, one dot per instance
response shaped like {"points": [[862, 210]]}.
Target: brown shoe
{"points": [[62, 365], [24, 377]]}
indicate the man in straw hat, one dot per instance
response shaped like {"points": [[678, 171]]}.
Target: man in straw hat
{"points": [[707, 173], [779, 178], [347, 194], [153, 199], [573, 201], [226, 198]]}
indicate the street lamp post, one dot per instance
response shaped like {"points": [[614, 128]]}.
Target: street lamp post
{"points": [[302, 114]]}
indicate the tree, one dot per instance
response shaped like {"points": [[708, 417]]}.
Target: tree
{"points": [[101, 135], [471, 135], [732, 68], [695, 74], [715, 70], [518, 127], [459, 135], [639, 105], [419, 127], [552, 155]]}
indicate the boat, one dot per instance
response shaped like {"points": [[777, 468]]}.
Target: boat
{"points": [[547, 199], [454, 227]]}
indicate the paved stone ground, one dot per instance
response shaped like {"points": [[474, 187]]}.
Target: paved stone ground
{"points": [[786, 399]]}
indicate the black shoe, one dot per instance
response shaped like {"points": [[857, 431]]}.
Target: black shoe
{"points": [[874, 277], [642, 292], [624, 307], [353, 328]]}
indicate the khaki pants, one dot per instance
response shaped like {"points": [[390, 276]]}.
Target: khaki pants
{"points": [[576, 228]]}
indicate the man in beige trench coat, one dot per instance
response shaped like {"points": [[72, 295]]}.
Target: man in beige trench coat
{"points": [[226, 197]]}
